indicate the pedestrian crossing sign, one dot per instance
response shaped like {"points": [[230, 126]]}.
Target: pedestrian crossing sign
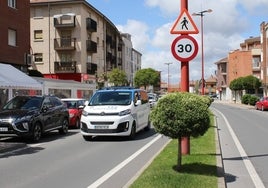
{"points": [[184, 24]]}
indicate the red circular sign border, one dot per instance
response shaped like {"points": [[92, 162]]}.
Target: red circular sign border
{"points": [[175, 42]]}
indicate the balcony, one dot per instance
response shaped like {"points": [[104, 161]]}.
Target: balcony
{"points": [[64, 21], [91, 68], [91, 46], [91, 25], [64, 43], [119, 60], [65, 66], [109, 56], [108, 39]]}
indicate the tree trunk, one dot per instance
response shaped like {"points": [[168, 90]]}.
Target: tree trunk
{"points": [[179, 155]]}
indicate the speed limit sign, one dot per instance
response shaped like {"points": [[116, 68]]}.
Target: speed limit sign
{"points": [[184, 48]]}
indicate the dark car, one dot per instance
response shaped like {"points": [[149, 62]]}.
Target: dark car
{"points": [[31, 116], [75, 106]]}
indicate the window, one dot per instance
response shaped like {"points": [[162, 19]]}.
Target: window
{"points": [[38, 57], [38, 13], [65, 57], [12, 37], [38, 34], [256, 61], [11, 3]]}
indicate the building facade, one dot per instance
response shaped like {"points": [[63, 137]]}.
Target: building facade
{"points": [[239, 63], [73, 40], [264, 56], [14, 34]]}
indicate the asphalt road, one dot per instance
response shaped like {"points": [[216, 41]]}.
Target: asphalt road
{"points": [[69, 161], [243, 142]]}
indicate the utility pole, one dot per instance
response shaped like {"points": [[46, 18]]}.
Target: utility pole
{"points": [[168, 76]]}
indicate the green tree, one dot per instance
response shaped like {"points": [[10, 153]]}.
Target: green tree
{"points": [[117, 77], [237, 84], [146, 77], [179, 115], [251, 83]]}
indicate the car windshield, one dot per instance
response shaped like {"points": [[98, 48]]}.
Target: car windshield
{"points": [[22, 102], [71, 104], [111, 98], [152, 96]]}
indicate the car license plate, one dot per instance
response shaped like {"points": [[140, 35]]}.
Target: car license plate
{"points": [[101, 127], [3, 129]]}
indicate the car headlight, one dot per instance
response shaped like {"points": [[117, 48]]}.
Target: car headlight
{"points": [[124, 112], [84, 113]]}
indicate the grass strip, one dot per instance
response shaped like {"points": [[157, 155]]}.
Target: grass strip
{"points": [[199, 169]]}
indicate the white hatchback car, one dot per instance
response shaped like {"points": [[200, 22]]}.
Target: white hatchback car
{"points": [[116, 112]]}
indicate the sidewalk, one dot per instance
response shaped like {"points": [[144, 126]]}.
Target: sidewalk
{"points": [[221, 134], [232, 103]]}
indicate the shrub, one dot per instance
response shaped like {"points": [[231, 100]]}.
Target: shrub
{"points": [[249, 99], [246, 98], [253, 99], [178, 115]]}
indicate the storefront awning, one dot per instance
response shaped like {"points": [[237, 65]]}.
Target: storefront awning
{"points": [[10, 77]]}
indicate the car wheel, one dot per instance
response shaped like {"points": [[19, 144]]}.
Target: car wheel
{"points": [[148, 127], [77, 123], [37, 132], [87, 138], [133, 131], [64, 128]]}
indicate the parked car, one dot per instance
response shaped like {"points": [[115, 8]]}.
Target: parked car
{"points": [[75, 107], [153, 98], [116, 112], [31, 116], [262, 104]]}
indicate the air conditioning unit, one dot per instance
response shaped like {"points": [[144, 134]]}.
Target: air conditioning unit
{"points": [[28, 59]]}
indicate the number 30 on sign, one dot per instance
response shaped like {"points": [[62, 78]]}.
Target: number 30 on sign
{"points": [[184, 48]]}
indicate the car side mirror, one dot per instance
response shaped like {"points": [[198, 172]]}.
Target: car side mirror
{"points": [[45, 109], [138, 102]]}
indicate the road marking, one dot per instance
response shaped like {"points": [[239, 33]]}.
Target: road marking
{"points": [[251, 170], [122, 164]]}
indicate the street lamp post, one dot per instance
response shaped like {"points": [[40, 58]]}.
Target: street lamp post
{"points": [[168, 76], [201, 14]]}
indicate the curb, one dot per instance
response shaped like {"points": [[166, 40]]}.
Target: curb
{"points": [[220, 168]]}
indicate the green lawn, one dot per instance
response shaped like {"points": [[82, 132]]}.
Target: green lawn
{"points": [[199, 169]]}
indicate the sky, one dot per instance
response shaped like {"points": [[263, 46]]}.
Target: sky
{"points": [[149, 22]]}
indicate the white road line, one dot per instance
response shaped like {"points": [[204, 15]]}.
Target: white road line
{"points": [[251, 170], [122, 164]]}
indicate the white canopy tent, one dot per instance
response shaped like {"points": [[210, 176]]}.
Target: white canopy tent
{"points": [[12, 78]]}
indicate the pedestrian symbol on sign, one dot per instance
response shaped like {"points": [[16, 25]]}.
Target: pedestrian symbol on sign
{"points": [[184, 23]]}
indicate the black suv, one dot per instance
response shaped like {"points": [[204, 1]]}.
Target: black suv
{"points": [[31, 116]]}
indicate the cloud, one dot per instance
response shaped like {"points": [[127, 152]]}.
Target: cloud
{"points": [[224, 29], [139, 33]]}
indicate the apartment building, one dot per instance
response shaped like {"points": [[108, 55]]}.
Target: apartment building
{"points": [[221, 74], [135, 65], [239, 63], [264, 56], [15, 33], [73, 40]]}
